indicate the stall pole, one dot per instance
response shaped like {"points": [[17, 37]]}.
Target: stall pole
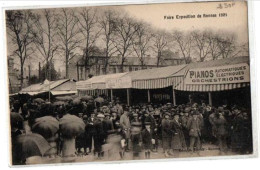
{"points": [[173, 97], [128, 97], [210, 98], [149, 97], [111, 95]]}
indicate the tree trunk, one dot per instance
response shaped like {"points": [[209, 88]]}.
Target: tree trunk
{"points": [[67, 66], [21, 81]]}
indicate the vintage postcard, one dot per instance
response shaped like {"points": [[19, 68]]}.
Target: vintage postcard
{"points": [[129, 82]]}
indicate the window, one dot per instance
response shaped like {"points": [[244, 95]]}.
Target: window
{"points": [[136, 69], [130, 68]]}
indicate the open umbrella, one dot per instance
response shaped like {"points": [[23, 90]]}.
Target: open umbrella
{"points": [[16, 117], [38, 100], [47, 126], [70, 127], [76, 101], [58, 103], [86, 98], [99, 100], [29, 145]]}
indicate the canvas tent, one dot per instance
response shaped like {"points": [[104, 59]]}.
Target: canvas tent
{"points": [[59, 87]]}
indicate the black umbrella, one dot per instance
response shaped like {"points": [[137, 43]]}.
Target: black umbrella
{"points": [[33, 144]]}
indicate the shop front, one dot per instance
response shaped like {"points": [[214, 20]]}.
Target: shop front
{"points": [[223, 82]]}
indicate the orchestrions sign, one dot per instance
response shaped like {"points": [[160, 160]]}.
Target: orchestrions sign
{"points": [[238, 73]]}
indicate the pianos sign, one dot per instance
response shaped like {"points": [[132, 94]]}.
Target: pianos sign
{"points": [[238, 73]]}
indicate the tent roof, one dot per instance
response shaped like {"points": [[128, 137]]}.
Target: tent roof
{"points": [[156, 73], [102, 78], [213, 63], [43, 87]]}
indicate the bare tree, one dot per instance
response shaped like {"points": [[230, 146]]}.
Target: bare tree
{"points": [[88, 26], [141, 42], [20, 25], [160, 40], [125, 31], [213, 41], [201, 45], [184, 43], [227, 45], [68, 35], [46, 37], [108, 25]]}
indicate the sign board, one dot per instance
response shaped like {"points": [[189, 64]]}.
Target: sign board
{"points": [[119, 83], [238, 73]]}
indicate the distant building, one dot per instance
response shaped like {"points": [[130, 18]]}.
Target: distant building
{"points": [[13, 76], [95, 65]]}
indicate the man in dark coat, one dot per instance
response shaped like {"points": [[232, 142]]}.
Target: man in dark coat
{"points": [[221, 132], [166, 134], [90, 131], [194, 126], [99, 135], [107, 125], [148, 139], [136, 138], [178, 140]]}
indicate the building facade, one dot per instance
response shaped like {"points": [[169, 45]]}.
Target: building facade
{"points": [[80, 69]]}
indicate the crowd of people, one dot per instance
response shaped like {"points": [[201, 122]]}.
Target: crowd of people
{"points": [[142, 127]]}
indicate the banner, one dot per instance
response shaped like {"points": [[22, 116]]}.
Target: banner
{"points": [[238, 73], [119, 83]]}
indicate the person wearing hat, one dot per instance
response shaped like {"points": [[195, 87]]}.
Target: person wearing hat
{"points": [[184, 120], [135, 118], [166, 133], [213, 128], [221, 124], [99, 135], [178, 140], [90, 131], [194, 127], [118, 108], [107, 125], [125, 125], [136, 138], [148, 139], [81, 140], [115, 120]]}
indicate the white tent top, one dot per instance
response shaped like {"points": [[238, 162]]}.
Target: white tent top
{"points": [[97, 82]]}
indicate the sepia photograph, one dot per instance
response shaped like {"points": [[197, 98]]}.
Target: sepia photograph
{"points": [[116, 83]]}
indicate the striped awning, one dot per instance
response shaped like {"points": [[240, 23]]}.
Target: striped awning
{"points": [[208, 87], [156, 83], [93, 92]]}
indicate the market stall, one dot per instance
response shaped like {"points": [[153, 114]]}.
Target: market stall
{"points": [[210, 77], [49, 89]]}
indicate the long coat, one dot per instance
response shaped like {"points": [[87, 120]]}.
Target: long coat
{"points": [[125, 125], [108, 127], [166, 134], [147, 138], [194, 127], [221, 126], [178, 139], [136, 140]]}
